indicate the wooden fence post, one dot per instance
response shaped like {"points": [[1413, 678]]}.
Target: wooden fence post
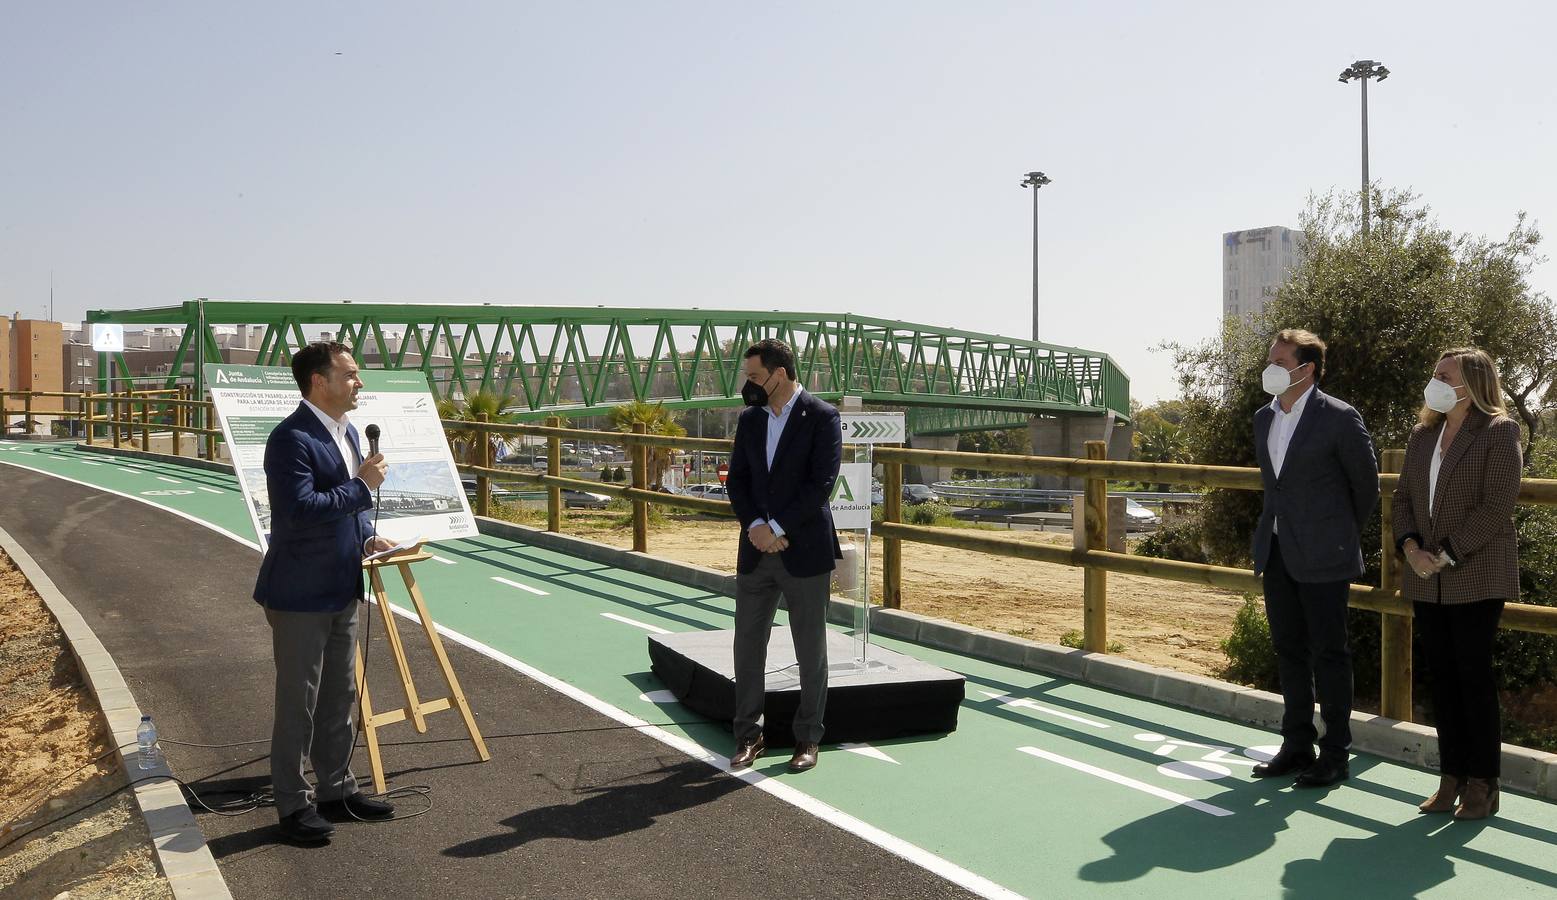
{"points": [[27, 412], [1095, 580], [208, 415], [115, 404], [892, 548], [640, 455], [178, 419], [483, 454], [1394, 631], [553, 467], [146, 422]]}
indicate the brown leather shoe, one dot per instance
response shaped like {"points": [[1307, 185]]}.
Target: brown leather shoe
{"points": [[1478, 799], [1443, 799], [804, 758], [747, 752]]}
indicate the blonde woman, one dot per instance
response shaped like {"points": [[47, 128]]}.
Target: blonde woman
{"points": [[1454, 525]]}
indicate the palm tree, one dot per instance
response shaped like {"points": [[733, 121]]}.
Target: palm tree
{"points": [[463, 440], [656, 420]]}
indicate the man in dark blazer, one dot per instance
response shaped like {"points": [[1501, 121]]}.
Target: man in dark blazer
{"points": [[1321, 482], [788, 446], [320, 490]]}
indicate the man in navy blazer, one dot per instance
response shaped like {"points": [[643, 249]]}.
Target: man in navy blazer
{"points": [[788, 445], [1321, 482], [321, 491]]}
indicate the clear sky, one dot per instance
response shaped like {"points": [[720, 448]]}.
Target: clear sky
{"points": [[859, 157]]}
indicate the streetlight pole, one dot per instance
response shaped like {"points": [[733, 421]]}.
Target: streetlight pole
{"points": [[1035, 180], [1362, 70]]}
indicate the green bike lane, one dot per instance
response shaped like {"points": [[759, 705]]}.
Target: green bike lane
{"points": [[1048, 788]]}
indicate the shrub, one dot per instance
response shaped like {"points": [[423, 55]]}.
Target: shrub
{"points": [[1251, 659], [926, 513], [1183, 541], [1075, 640], [619, 475]]}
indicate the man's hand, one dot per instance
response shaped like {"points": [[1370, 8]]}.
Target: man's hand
{"points": [[761, 537], [378, 544], [779, 545], [373, 470]]}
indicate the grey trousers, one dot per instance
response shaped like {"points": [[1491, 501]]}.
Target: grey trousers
{"points": [[756, 600], [316, 688]]}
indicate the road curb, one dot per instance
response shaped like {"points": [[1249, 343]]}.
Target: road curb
{"points": [[1524, 770], [177, 841]]}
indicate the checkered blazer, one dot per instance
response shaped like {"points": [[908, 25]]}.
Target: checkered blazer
{"points": [[1473, 514]]}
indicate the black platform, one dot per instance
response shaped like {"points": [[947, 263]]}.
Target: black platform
{"points": [[895, 695]]}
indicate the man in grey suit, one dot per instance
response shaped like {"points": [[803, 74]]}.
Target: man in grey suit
{"points": [[1321, 482], [788, 445]]}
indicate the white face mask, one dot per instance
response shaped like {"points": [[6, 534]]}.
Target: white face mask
{"points": [[1440, 396], [1276, 380]]}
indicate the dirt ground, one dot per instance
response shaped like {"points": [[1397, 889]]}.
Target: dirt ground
{"points": [[51, 731], [1163, 623]]}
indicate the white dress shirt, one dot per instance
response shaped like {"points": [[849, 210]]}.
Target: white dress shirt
{"points": [[1432, 477], [1282, 425], [337, 429], [776, 423]]}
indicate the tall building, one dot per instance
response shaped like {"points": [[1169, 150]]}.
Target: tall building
{"points": [[1254, 264], [7, 377], [30, 352]]}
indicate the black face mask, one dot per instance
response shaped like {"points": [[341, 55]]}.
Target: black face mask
{"points": [[755, 394]]}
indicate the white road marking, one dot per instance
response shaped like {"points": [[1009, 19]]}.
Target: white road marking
{"points": [[447, 562], [1024, 703], [128, 471], [869, 751], [522, 587], [1143, 787], [169, 480], [212, 490], [88, 462], [635, 623], [661, 697]]}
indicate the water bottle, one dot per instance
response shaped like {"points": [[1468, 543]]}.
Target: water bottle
{"points": [[146, 736]]}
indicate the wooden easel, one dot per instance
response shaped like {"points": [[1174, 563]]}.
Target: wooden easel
{"points": [[415, 709]]}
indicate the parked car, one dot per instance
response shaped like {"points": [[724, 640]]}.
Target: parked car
{"points": [[716, 491], [468, 482], [540, 463], [573, 499], [1138, 516], [915, 494]]}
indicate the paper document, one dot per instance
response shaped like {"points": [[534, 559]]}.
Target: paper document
{"points": [[402, 547]]}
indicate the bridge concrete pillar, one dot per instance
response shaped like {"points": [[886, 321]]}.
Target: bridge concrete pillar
{"points": [[929, 474], [1067, 436]]}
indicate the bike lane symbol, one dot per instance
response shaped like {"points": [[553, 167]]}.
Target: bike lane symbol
{"points": [[1214, 762]]}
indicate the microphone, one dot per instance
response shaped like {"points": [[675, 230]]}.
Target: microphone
{"points": [[372, 432]]}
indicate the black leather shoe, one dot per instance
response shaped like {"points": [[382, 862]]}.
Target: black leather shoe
{"points": [[305, 826], [1327, 771], [748, 752], [804, 758], [1286, 762], [357, 806]]}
